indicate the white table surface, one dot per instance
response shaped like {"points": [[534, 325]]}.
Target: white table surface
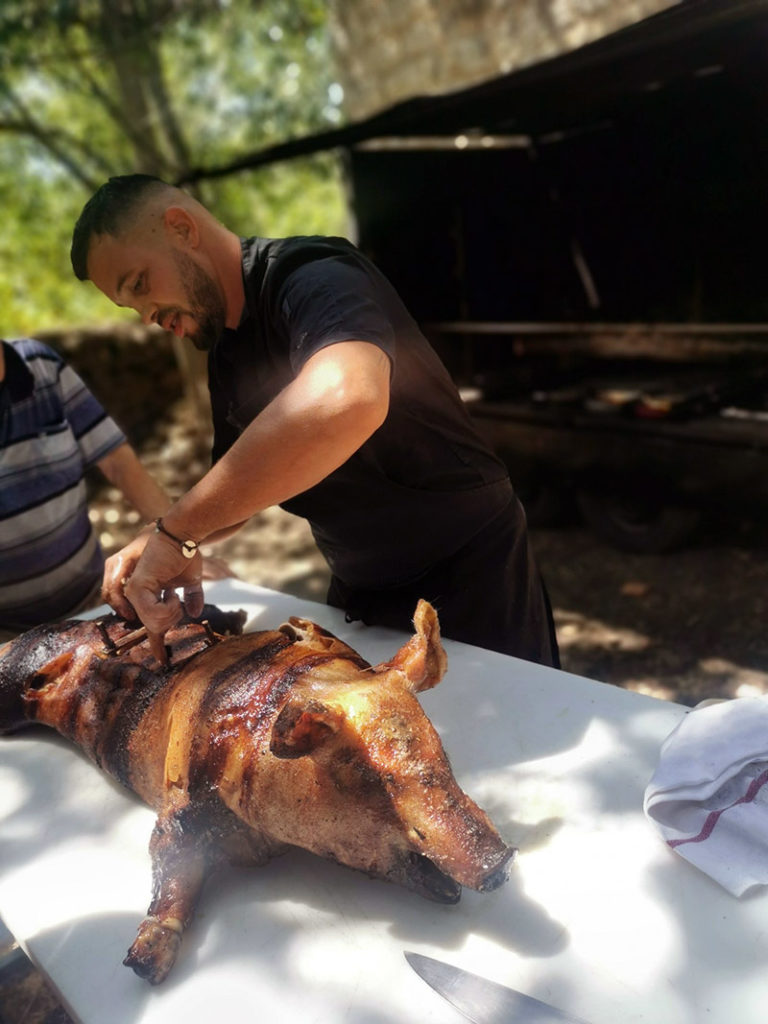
{"points": [[599, 918]]}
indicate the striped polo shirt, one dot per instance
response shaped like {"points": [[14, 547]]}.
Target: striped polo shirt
{"points": [[51, 430]]}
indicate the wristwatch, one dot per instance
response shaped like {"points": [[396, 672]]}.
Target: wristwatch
{"points": [[188, 547]]}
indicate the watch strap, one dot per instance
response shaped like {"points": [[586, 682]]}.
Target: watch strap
{"points": [[188, 547]]}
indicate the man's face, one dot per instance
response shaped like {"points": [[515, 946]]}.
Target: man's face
{"points": [[162, 282]]}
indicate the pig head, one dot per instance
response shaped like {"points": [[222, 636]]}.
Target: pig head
{"points": [[390, 804], [249, 744]]}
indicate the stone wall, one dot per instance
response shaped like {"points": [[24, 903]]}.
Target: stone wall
{"points": [[389, 50], [130, 368]]}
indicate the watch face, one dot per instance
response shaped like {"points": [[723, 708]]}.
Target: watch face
{"points": [[189, 548]]}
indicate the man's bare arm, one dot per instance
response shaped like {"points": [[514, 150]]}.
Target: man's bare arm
{"points": [[310, 429]]}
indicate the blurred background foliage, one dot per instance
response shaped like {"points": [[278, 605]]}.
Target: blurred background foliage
{"points": [[91, 88]]}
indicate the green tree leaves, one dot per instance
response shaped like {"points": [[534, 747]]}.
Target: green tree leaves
{"points": [[90, 88]]}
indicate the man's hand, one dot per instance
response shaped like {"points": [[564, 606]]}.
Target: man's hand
{"points": [[139, 581], [151, 587], [118, 569]]}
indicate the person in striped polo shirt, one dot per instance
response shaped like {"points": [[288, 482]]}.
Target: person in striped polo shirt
{"points": [[51, 430]]}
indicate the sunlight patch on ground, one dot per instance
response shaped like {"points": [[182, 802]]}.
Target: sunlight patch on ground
{"points": [[579, 631], [742, 682], [651, 688], [724, 679]]}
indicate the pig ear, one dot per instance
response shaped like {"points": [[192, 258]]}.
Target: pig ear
{"points": [[421, 662], [301, 728]]}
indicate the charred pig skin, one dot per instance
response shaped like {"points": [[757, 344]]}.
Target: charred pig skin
{"points": [[248, 743]]}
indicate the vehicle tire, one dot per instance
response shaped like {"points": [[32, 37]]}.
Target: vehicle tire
{"points": [[637, 519], [546, 504]]}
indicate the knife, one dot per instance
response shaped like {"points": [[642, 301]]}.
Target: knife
{"points": [[484, 1001]]}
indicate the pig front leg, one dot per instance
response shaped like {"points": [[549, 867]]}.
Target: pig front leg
{"points": [[185, 845], [179, 866]]}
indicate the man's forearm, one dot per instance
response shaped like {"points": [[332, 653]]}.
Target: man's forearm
{"points": [[311, 428], [124, 470]]}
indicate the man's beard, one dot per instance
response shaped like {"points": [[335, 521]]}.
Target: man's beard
{"points": [[205, 301]]}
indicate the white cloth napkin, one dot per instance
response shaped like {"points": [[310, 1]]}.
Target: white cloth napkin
{"points": [[709, 794]]}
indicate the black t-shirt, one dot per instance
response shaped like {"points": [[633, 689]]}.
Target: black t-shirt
{"points": [[424, 483]]}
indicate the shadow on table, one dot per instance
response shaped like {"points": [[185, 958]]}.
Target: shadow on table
{"points": [[718, 945], [42, 785], [334, 912], [321, 929]]}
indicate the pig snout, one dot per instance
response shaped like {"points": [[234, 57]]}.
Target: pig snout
{"points": [[422, 874], [459, 839]]}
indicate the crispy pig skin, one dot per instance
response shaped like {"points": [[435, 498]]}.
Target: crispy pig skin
{"points": [[245, 744]]}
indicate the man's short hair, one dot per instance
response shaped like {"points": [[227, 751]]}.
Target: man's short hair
{"points": [[107, 212]]}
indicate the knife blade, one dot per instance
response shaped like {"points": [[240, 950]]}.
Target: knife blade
{"points": [[483, 1001]]}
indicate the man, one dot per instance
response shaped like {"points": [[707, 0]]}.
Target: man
{"points": [[51, 430], [326, 400]]}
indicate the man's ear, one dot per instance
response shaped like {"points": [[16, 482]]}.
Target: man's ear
{"points": [[181, 227]]}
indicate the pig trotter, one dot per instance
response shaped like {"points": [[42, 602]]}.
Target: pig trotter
{"points": [[179, 867], [154, 952]]}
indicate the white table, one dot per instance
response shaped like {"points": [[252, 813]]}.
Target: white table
{"points": [[598, 918]]}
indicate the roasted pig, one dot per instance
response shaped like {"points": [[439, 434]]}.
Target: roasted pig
{"points": [[247, 743]]}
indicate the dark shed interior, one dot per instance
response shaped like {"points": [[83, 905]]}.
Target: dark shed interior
{"points": [[623, 182]]}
